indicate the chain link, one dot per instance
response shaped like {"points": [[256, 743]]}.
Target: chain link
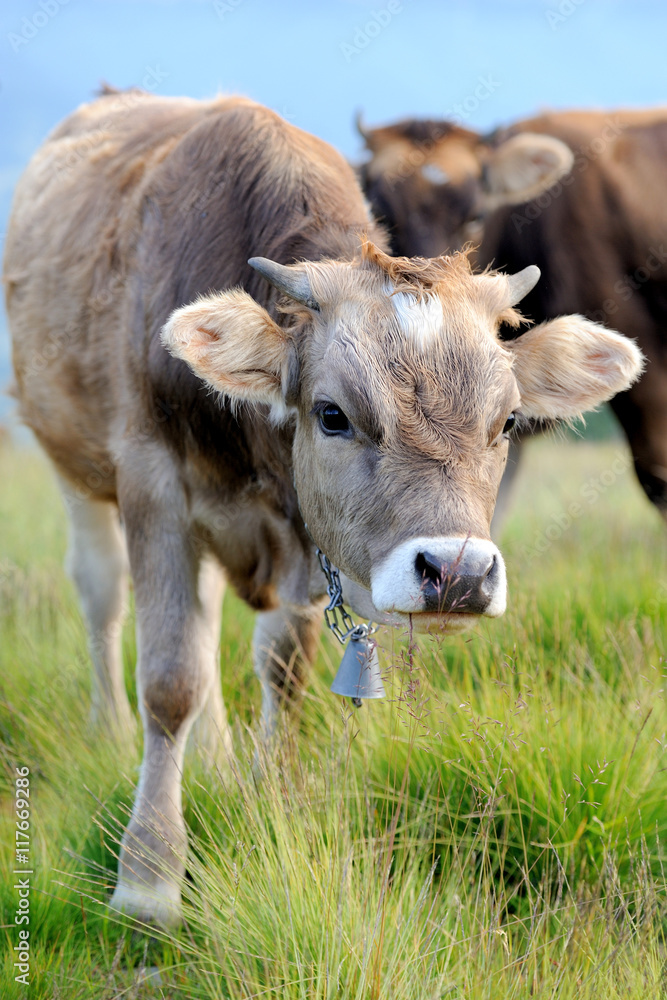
{"points": [[335, 615]]}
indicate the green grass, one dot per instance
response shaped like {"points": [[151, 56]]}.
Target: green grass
{"points": [[496, 828]]}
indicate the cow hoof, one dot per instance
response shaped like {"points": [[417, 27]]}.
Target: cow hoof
{"points": [[161, 907]]}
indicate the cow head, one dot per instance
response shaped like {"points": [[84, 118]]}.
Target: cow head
{"points": [[434, 183], [402, 398]]}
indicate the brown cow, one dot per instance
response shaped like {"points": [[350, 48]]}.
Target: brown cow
{"points": [[599, 235], [370, 398]]}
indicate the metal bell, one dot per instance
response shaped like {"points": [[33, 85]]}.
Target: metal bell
{"points": [[359, 672]]}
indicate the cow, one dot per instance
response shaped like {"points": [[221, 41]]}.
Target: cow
{"points": [[229, 372], [580, 194]]}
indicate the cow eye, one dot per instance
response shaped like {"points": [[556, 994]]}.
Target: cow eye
{"points": [[509, 423], [333, 420]]}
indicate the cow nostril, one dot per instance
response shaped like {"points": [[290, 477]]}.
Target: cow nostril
{"points": [[491, 577], [429, 568], [464, 584]]}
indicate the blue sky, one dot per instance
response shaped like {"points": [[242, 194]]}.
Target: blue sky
{"points": [[319, 62]]}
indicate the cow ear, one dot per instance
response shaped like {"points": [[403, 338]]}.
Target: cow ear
{"points": [[231, 343], [522, 167], [570, 365]]}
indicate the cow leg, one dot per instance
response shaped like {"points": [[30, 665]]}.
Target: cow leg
{"points": [[506, 491], [284, 645], [177, 652], [210, 734], [97, 563], [643, 414]]}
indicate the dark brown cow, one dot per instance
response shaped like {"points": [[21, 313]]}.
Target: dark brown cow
{"points": [[370, 400], [599, 234]]}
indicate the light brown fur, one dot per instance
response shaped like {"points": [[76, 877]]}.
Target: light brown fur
{"points": [[597, 229], [131, 231], [428, 417]]}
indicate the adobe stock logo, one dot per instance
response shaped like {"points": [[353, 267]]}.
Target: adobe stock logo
{"points": [[565, 9], [31, 26], [560, 521], [364, 34]]}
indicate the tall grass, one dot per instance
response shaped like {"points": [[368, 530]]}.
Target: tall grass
{"points": [[496, 828]]}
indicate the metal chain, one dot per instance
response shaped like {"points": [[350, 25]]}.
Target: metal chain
{"points": [[335, 615]]}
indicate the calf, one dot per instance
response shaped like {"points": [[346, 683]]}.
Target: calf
{"points": [[220, 404], [580, 194]]}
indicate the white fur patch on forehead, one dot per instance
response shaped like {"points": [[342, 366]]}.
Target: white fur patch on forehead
{"points": [[420, 319]]}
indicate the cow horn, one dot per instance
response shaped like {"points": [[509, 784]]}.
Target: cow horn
{"points": [[521, 283], [289, 280], [361, 129]]}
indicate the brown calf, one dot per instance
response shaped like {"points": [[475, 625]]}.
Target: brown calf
{"points": [[322, 383], [596, 227]]}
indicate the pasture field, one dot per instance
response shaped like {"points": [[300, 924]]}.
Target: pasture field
{"points": [[496, 829]]}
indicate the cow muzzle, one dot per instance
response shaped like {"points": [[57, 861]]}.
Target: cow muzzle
{"points": [[443, 581]]}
